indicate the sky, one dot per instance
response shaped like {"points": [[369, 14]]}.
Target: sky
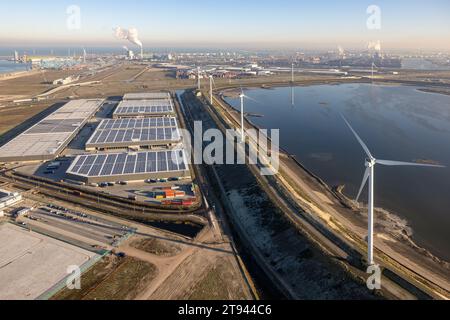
{"points": [[413, 24]]}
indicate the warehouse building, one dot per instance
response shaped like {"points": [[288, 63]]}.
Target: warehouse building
{"points": [[46, 139], [135, 133], [144, 108], [136, 166], [147, 96]]}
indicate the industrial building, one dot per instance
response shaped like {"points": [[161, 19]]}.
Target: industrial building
{"points": [[144, 108], [46, 139], [134, 133], [136, 166], [147, 96], [9, 198]]}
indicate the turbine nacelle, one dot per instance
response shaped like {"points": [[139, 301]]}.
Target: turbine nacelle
{"points": [[370, 162]]}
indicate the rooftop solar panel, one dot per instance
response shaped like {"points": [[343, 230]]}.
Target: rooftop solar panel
{"points": [[134, 131], [142, 107], [128, 164]]}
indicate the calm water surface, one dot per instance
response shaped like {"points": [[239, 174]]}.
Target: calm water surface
{"points": [[10, 66], [396, 122]]}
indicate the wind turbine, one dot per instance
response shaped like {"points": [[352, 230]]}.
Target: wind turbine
{"points": [[292, 73], [198, 79], [211, 83], [369, 174], [242, 96], [373, 66], [292, 85], [84, 55]]}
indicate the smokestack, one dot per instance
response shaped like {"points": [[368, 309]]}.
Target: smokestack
{"points": [[131, 35]]}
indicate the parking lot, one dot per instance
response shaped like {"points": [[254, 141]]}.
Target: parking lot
{"points": [[86, 231], [31, 263]]}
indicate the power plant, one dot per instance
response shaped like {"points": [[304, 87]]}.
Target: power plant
{"points": [[132, 36]]}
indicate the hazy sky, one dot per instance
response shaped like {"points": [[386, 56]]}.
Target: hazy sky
{"points": [[244, 23]]}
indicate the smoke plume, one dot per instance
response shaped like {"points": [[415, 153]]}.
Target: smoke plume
{"points": [[131, 35], [374, 45]]}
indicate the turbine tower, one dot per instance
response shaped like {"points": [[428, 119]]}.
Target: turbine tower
{"points": [[211, 82], [373, 66], [369, 174], [292, 85], [198, 79], [242, 96], [292, 73]]}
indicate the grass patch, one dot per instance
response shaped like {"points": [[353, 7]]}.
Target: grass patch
{"points": [[156, 247]]}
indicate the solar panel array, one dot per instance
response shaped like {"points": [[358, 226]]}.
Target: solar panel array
{"points": [[55, 126], [137, 123], [135, 131], [104, 165], [144, 110], [138, 107], [146, 96]]}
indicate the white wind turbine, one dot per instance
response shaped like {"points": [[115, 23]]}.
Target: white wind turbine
{"points": [[369, 175], [242, 96], [292, 85], [211, 84], [373, 67], [199, 84]]}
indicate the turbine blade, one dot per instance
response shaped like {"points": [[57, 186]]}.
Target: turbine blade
{"points": [[400, 163], [250, 98], [361, 142], [366, 176]]}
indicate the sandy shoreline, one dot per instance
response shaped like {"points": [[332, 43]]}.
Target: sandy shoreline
{"points": [[16, 74]]}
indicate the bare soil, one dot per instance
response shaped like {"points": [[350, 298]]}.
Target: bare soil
{"points": [[156, 247], [112, 279]]}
